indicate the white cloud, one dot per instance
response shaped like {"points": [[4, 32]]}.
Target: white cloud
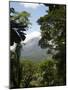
{"points": [[30, 5], [28, 37], [32, 35]]}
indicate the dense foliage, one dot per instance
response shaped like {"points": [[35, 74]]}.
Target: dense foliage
{"points": [[32, 74], [19, 22], [53, 31]]}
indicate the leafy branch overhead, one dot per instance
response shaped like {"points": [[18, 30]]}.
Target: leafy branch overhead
{"points": [[19, 22]]}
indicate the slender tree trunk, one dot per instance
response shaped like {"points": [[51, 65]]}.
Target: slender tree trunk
{"points": [[18, 53]]}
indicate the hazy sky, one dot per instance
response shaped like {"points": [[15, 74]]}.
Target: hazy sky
{"points": [[36, 11]]}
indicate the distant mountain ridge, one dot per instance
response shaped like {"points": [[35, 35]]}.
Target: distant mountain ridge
{"points": [[32, 51]]}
